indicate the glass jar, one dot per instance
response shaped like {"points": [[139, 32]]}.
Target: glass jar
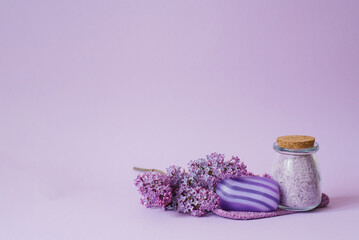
{"points": [[298, 176]]}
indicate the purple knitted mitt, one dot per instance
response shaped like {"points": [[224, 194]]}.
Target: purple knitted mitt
{"points": [[239, 215]]}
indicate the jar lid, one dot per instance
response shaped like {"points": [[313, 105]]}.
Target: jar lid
{"points": [[296, 141]]}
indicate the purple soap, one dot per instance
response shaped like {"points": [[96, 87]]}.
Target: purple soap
{"points": [[249, 193]]}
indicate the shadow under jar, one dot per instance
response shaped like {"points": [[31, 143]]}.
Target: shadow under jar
{"points": [[297, 172]]}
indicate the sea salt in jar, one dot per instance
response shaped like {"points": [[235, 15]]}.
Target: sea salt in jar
{"points": [[296, 171]]}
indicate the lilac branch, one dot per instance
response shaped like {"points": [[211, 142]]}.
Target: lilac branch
{"points": [[148, 170]]}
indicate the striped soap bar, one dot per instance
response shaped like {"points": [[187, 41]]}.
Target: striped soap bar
{"points": [[249, 193]]}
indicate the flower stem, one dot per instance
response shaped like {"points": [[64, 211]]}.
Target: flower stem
{"points": [[148, 170]]}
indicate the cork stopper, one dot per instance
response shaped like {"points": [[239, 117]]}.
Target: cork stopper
{"points": [[296, 141]]}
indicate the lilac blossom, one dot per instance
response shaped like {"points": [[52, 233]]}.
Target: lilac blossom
{"points": [[155, 189], [194, 191], [196, 200], [206, 172], [176, 174]]}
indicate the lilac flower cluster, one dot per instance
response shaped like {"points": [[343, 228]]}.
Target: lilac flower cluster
{"points": [[190, 192], [176, 174], [196, 200], [155, 189], [206, 172]]}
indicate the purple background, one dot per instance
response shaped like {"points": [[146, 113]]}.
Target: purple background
{"points": [[89, 89]]}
